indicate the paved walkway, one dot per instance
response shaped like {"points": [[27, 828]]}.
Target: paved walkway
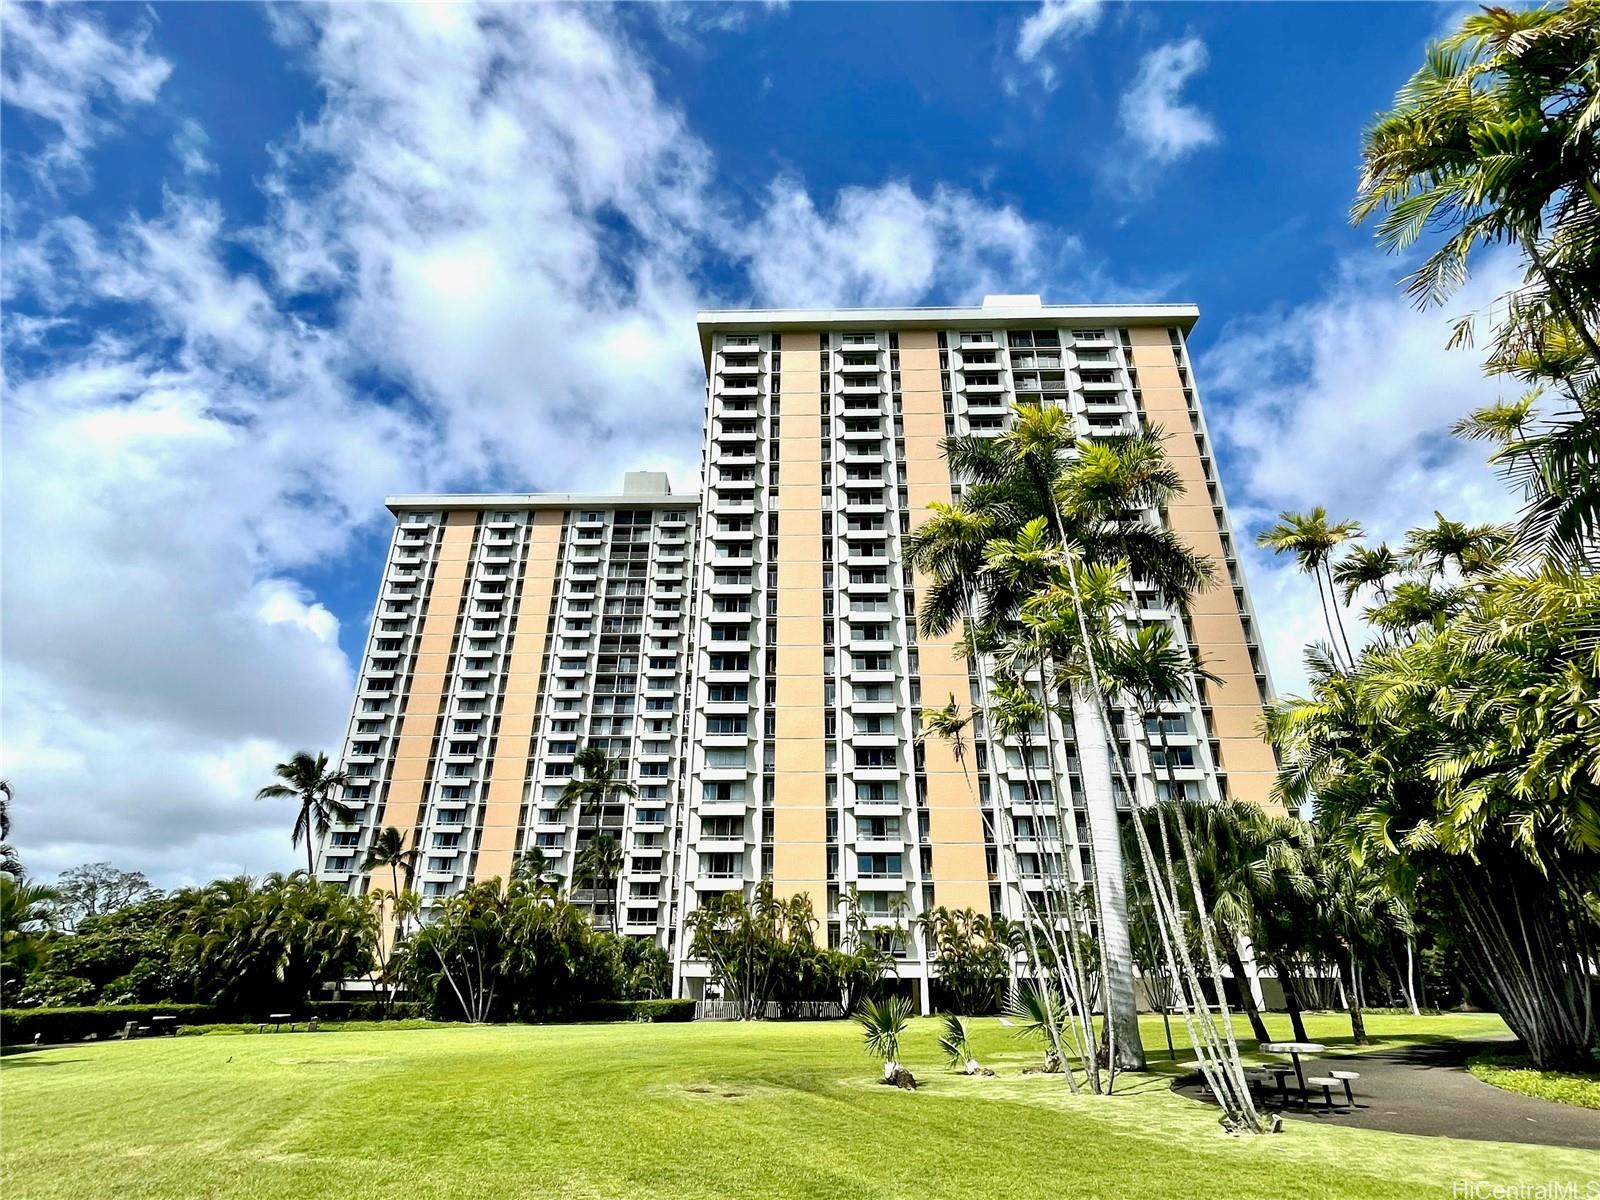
{"points": [[1428, 1090]]}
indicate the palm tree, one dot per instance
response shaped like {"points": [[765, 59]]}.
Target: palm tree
{"points": [[535, 868], [1366, 567], [1311, 538], [1492, 141], [882, 1022], [956, 1042], [1474, 549], [309, 781], [1038, 485], [1502, 423], [10, 864], [389, 849], [600, 862], [26, 910], [602, 780]]}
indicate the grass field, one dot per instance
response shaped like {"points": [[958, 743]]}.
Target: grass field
{"points": [[725, 1110], [1517, 1074]]}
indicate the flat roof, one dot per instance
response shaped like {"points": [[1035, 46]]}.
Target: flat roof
{"points": [[999, 311], [518, 500]]}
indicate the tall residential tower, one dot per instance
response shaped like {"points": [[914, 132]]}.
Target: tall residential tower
{"points": [[791, 664]]}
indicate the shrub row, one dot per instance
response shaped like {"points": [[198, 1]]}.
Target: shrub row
{"points": [[365, 1010], [19, 1025], [638, 1010]]}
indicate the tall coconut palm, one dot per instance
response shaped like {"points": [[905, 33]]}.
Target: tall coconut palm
{"points": [[389, 849], [1312, 539], [602, 780], [309, 781], [600, 862]]}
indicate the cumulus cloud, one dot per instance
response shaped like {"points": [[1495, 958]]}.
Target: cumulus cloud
{"points": [[1055, 23], [478, 269], [1160, 125], [888, 245], [1346, 401], [61, 67]]}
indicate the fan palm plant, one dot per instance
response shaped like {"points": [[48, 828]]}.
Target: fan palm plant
{"points": [[882, 1022], [309, 781], [956, 1043]]}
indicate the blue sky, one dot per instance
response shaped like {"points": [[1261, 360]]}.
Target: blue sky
{"points": [[265, 265]]}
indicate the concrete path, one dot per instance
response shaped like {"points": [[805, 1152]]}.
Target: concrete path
{"points": [[1428, 1090]]}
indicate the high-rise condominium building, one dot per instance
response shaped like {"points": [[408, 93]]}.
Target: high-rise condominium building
{"points": [[791, 665], [509, 631]]}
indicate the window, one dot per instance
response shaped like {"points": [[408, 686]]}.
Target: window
{"points": [[878, 793], [878, 866], [726, 757], [726, 725], [877, 757]]}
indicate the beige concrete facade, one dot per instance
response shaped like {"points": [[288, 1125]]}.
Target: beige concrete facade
{"points": [[799, 804]]}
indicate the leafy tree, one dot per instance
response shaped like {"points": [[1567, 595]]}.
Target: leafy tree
{"points": [[759, 949], [95, 889], [308, 781], [971, 955]]}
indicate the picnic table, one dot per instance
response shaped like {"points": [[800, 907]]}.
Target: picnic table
{"points": [[277, 1021], [168, 1025], [1294, 1050]]}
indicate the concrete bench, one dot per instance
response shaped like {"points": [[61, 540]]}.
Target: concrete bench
{"points": [[1327, 1083], [1346, 1078]]}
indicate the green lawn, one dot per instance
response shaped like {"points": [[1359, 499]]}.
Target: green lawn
{"points": [[1517, 1074], [663, 1111]]}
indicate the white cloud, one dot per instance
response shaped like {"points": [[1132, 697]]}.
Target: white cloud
{"points": [[189, 146], [1346, 401], [888, 245], [1161, 126], [60, 65], [1055, 22], [502, 231]]}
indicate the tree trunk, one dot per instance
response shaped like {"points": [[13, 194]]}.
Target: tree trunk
{"points": [[311, 865], [1358, 1024], [1411, 975], [1111, 888], [1247, 997], [1291, 1000]]}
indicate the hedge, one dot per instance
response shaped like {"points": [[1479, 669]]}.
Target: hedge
{"points": [[638, 1010], [366, 1010], [19, 1025]]}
